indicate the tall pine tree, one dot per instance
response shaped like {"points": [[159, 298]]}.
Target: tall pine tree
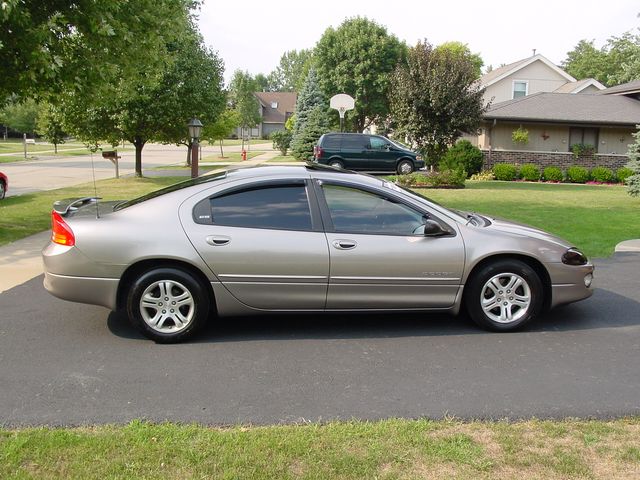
{"points": [[633, 182], [312, 119]]}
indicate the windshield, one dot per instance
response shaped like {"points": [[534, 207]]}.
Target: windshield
{"points": [[398, 144], [171, 188]]}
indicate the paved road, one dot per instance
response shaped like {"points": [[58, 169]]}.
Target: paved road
{"points": [[62, 363], [48, 173]]}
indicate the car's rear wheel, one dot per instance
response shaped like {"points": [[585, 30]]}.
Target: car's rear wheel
{"points": [[336, 164], [504, 295], [405, 167], [167, 305], [3, 189]]}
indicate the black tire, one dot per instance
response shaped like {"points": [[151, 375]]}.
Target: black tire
{"points": [[491, 285], [336, 164], [405, 167], [3, 189], [174, 282]]}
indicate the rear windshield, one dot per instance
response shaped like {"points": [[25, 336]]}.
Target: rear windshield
{"points": [[171, 188]]}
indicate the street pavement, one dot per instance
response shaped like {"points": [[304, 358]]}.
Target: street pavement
{"points": [[49, 172], [69, 364]]}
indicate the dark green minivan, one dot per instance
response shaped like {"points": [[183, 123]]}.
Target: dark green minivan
{"points": [[360, 151]]}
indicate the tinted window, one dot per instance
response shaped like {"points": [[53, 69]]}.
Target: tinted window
{"points": [[331, 142], [378, 143], [281, 207], [353, 142], [357, 211]]}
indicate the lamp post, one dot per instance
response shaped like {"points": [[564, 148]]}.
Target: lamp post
{"points": [[195, 127]]}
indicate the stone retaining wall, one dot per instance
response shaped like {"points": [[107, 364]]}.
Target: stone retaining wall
{"points": [[561, 160]]}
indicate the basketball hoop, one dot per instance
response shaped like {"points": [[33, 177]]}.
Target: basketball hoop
{"points": [[342, 102]]}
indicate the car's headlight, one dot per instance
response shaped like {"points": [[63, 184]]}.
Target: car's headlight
{"points": [[418, 157], [573, 256]]}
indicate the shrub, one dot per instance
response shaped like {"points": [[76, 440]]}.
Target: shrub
{"points": [[577, 174], [602, 175], [581, 150], [505, 171], [552, 174], [281, 140], [438, 179], [463, 155], [623, 173], [530, 172], [483, 176], [520, 136]]}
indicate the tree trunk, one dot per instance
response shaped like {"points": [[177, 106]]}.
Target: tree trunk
{"points": [[242, 135], [188, 154], [221, 151], [139, 144], [55, 148]]}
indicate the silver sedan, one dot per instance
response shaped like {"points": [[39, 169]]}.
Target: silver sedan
{"points": [[302, 239]]}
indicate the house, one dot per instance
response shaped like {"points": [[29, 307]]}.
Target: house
{"points": [[529, 76], [555, 122], [275, 109], [558, 112]]}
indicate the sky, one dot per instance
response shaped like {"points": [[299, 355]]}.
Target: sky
{"points": [[253, 35]]}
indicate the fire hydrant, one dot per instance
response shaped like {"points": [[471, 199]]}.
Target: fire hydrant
{"points": [[244, 155]]}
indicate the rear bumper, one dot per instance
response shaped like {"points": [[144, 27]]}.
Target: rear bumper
{"points": [[94, 291]]}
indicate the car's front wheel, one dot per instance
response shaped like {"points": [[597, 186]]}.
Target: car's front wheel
{"points": [[167, 305], [405, 167], [504, 295]]}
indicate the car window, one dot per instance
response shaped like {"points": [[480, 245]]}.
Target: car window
{"points": [[282, 207], [331, 142], [378, 143], [353, 142], [357, 211]]}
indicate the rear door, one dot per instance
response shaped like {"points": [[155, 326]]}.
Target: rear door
{"points": [[380, 258], [354, 150], [264, 242]]}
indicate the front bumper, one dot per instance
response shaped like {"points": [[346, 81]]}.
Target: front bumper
{"points": [[94, 291], [568, 283]]}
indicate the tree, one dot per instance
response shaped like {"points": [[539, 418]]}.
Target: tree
{"points": [[310, 99], [49, 125], [618, 61], [224, 126], [462, 49], [49, 46], [243, 99], [21, 116], [291, 72], [358, 59], [435, 98], [633, 181], [281, 140], [262, 83], [190, 85]]}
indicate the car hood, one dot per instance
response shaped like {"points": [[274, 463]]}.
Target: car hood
{"points": [[502, 225]]}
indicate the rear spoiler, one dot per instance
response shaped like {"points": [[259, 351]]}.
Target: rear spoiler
{"points": [[63, 207]]}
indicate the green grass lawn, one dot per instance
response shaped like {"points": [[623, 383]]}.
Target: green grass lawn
{"points": [[230, 156], [390, 449], [25, 215], [283, 158], [593, 217]]}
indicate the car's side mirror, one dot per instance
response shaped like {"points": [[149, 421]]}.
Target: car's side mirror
{"points": [[433, 229]]}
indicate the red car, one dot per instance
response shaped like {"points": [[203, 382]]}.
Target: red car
{"points": [[4, 185]]}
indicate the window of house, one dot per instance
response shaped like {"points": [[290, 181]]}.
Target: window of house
{"points": [[358, 211], [281, 207], [583, 136], [274, 104], [520, 88]]}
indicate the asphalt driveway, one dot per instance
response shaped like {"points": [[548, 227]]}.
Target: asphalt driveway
{"points": [[67, 364]]}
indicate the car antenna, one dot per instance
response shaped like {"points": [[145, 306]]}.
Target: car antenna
{"points": [[95, 188]]}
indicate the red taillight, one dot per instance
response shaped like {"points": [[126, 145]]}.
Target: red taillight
{"points": [[317, 151], [61, 232]]}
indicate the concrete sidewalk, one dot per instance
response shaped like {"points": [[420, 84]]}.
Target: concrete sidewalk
{"points": [[20, 261]]}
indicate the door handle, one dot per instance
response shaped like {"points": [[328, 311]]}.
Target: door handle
{"points": [[344, 244], [218, 240]]}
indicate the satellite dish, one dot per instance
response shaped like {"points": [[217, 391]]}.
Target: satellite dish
{"points": [[342, 102]]}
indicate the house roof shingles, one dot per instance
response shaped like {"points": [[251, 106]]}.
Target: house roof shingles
{"points": [[630, 87], [286, 104], [571, 87], [568, 108]]}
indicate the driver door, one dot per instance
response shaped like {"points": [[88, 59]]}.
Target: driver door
{"points": [[379, 256]]}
